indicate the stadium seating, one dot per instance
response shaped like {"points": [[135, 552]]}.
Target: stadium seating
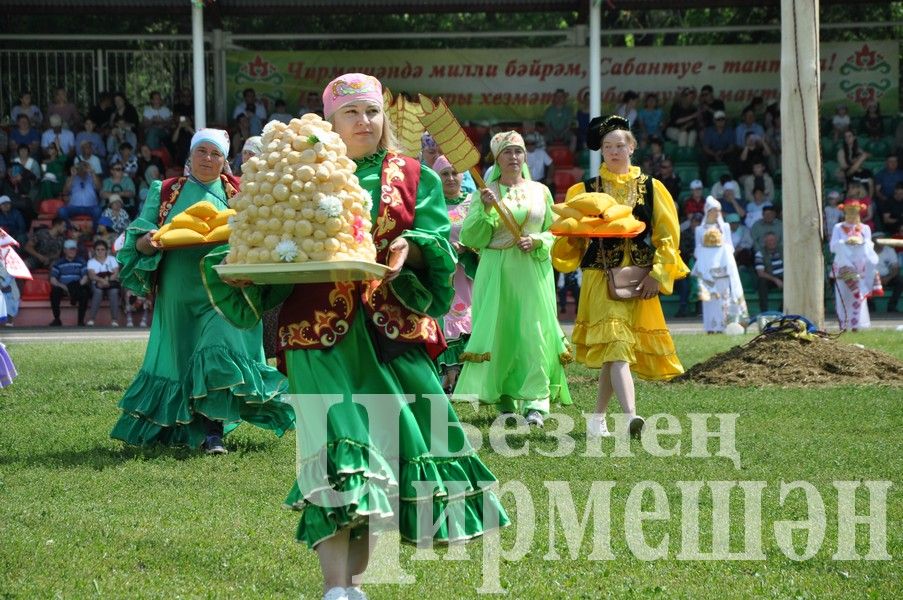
{"points": [[561, 156]]}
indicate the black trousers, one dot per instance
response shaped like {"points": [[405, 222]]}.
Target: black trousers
{"points": [[78, 295]]}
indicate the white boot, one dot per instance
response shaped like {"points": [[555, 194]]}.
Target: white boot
{"points": [[336, 593]]}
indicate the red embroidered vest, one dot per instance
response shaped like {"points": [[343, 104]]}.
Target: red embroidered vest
{"points": [[169, 193], [317, 316]]}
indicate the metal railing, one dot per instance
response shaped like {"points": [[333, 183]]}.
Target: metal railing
{"points": [[85, 73]]}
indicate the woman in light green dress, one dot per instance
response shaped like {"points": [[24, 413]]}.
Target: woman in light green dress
{"points": [[393, 463], [200, 373], [517, 351]]}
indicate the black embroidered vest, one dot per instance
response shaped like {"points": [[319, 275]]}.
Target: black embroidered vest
{"points": [[605, 253]]}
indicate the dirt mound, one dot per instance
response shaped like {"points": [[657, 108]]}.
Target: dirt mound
{"points": [[783, 360]]}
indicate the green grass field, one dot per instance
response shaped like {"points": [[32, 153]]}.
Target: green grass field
{"points": [[82, 516]]}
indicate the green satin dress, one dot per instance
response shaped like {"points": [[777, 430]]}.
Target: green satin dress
{"points": [[516, 353], [386, 479], [196, 363]]}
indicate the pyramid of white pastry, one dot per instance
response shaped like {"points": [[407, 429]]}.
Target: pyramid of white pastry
{"points": [[300, 200]]}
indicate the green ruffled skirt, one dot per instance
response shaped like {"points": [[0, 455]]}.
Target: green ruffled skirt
{"points": [[386, 472], [197, 364]]}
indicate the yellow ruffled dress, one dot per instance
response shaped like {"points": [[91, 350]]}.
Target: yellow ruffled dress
{"points": [[608, 330]]}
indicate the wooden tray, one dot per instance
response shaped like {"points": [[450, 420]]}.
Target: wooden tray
{"points": [[309, 272]]}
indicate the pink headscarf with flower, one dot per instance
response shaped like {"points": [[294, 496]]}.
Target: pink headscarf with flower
{"points": [[351, 87]]}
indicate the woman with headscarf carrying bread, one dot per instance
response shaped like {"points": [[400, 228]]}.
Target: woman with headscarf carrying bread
{"points": [[624, 336], [370, 467], [200, 374], [516, 354]]}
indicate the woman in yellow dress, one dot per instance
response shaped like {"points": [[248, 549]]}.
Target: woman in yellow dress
{"points": [[622, 337]]}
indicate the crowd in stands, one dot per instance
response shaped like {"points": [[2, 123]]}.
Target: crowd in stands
{"points": [[81, 174]]}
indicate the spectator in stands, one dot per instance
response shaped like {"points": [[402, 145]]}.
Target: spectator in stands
{"points": [[45, 245], [670, 179], [889, 272], [530, 133], [310, 103], [105, 232], [86, 154], [126, 157], [850, 160], [627, 107], [120, 134], [695, 203], [65, 110], [756, 207], [280, 113], [62, 137], [682, 123], [539, 163], [559, 121], [757, 105], [886, 180], [151, 174], [872, 122], [181, 140], [69, 277], [717, 144], [773, 142], [12, 221], [754, 151], [28, 163], [730, 199], [653, 162], [101, 113], [768, 224], [54, 169], [184, 105], [241, 132], [708, 106], [24, 135], [21, 183], [91, 135], [747, 125], [119, 218], [833, 214], [687, 248], [118, 183], [741, 239], [858, 190], [157, 121], [82, 193], [759, 178], [254, 110], [892, 210], [651, 119], [769, 268], [103, 272], [429, 150], [146, 158], [840, 122], [124, 115], [25, 107]]}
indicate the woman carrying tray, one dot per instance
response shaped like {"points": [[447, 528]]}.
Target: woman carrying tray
{"points": [[200, 372], [619, 336], [516, 355], [343, 341]]}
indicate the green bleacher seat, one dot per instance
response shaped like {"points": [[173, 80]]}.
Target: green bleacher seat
{"points": [[714, 173], [669, 148], [687, 173], [686, 154], [878, 148], [873, 165], [829, 167]]}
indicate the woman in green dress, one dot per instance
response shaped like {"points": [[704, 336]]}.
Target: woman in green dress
{"points": [[364, 469], [200, 373], [516, 354], [456, 323]]}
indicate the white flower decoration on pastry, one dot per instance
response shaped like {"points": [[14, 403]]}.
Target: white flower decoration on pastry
{"points": [[287, 250], [331, 205]]}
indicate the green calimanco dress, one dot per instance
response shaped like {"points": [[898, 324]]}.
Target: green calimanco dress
{"points": [[386, 479], [196, 363]]}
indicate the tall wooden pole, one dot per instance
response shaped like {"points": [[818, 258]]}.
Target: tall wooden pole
{"points": [[801, 161]]}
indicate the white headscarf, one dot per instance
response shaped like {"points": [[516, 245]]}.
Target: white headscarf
{"points": [[725, 229]]}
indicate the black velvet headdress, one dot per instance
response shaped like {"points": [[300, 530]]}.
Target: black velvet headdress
{"points": [[602, 126]]}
